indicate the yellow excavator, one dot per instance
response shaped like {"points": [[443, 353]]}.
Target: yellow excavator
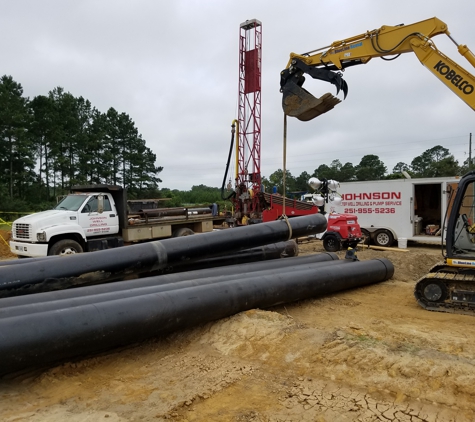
{"points": [[450, 285], [387, 42]]}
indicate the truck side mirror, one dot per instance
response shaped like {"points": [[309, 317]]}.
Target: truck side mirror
{"points": [[100, 204]]}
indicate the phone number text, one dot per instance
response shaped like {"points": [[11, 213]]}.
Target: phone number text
{"points": [[370, 210]]}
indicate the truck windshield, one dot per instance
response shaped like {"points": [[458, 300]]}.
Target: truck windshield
{"points": [[71, 202]]}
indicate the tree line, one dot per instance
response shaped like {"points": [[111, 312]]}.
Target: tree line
{"points": [[434, 162], [55, 141]]}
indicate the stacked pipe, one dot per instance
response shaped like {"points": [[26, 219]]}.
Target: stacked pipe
{"points": [[277, 199], [260, 253], [46, 328], [62, 272]]}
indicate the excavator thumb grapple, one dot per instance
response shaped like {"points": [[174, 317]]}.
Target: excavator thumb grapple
{"points": [[297, 101]]}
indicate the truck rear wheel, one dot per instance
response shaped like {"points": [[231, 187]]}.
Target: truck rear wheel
{"points": [[65, 247], [383, 238], [184, 231]]}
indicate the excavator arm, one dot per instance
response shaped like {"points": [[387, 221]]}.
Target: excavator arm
{"points": [[387, 42]]}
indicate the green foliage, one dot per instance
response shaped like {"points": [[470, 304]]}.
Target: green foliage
{"points": [[347, 173], [301, 182], [198, 196], [277, 179], [370, 168], [266, 184], [56, 141], [400, 167], [17, 152], [435, 162], [336, 171]]}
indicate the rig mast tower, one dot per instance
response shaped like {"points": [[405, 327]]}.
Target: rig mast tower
{"points": [[248, 169]]}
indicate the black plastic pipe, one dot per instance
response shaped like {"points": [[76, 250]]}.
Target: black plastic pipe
{"points": [[112, 264], [48, 337], [272, 251], [155, 285], [165, 279], [267, 252]]}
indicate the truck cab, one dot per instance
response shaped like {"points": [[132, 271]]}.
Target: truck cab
{"points": [[75, 225]]}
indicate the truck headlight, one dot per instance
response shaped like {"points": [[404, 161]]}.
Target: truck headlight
{"points": [[41, 236]]}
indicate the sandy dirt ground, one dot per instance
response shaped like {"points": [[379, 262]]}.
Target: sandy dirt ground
{"points": [[370, 354], [4, 247]]}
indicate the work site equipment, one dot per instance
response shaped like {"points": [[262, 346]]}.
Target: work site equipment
{"points": [[343, 229], [388, 210], [450, 286], [98, 217], [55, 273], [50, 336], [387, 42], [251, 204]]}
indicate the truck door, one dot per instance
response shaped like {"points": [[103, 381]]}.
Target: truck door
{"points": [[95, 223]]}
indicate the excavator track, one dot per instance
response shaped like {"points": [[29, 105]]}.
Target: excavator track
{"points": [[447, 289]]}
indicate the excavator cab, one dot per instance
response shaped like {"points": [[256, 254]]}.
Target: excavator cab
{"points": [[297, 101], [461, 222], [450, 286]]}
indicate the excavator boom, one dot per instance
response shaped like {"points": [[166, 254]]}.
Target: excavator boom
{"points": [[387, 42]]}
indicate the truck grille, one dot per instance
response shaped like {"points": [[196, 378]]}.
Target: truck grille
{"points": [[21, 231]]}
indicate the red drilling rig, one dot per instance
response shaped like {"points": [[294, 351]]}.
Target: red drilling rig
{"points": [[251, 203]]}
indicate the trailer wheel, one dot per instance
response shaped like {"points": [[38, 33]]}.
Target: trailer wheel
{"points": [[65, 247], [184, 231], [383, 238], [331, 243]]}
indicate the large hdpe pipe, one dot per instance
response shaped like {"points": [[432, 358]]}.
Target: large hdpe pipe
{"points": [[49, 301], [218, 273], [261, 253], [47, 337], [66, 271], [272, 251]]}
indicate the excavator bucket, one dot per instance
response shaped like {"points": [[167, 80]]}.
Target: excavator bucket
{"points": [[298, 102]]}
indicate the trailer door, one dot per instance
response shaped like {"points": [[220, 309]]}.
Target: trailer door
{"points": [[427, 209]]}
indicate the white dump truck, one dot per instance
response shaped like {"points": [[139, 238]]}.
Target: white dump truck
{"points": [[400, 209], [98, 217]]}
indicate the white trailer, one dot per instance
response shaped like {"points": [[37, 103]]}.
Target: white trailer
{"points": [[388, 210]]}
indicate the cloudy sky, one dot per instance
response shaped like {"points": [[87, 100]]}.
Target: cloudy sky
{"points": [[172, 66]]}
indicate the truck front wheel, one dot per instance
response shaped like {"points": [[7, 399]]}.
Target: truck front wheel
{"points": [[65, 247]]}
